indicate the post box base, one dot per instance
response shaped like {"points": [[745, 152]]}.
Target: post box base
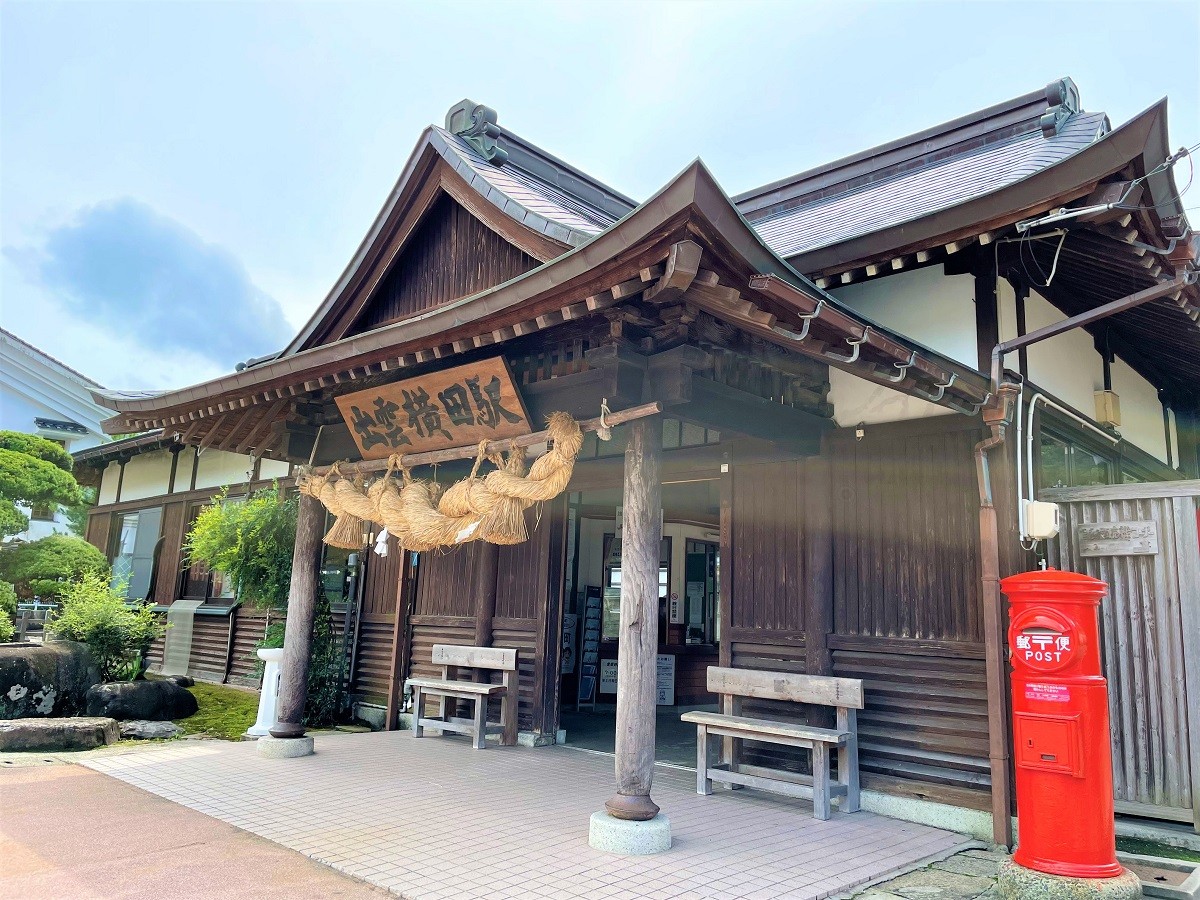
{"points": [[1015, 882]]}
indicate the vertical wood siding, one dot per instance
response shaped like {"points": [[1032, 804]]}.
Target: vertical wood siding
{"points": [[97, 530], [768, 538], [906, 604], [174, 521], [906, 535], [450, 254], [1149, 622]]}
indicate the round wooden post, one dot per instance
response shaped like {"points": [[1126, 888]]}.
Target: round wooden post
{"points": [[641, 544], [297, 642]]}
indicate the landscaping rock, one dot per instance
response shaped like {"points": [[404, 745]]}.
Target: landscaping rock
{"points": [[51, 735], [44, 680], [156, 701], [141, 730], [971, 865], [181, 680]]}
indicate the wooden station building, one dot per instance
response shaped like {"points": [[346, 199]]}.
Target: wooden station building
{"points": [[819, 350]]}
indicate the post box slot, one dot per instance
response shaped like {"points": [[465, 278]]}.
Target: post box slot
{"points": [[1049, 743]]}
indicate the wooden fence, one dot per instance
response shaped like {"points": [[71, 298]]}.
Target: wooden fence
{"points": [[1142, 540]]}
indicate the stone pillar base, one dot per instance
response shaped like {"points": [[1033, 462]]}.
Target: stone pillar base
{"points": [[1016, 882], [627, 837], [285, 748]]}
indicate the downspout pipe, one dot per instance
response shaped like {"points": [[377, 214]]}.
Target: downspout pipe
{"points": [[996, 417]]}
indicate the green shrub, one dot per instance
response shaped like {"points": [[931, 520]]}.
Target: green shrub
{"points": [[325, 688], [95, 613], [43, 568], [33, 471], [8, 612], [251, 541]]}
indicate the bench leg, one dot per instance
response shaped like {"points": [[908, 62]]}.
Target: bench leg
{"points": [[848, 759], [508, 716], [820, 765], [479, 741], [449, 710], [418, 703], [734, 745], [703, 782]]}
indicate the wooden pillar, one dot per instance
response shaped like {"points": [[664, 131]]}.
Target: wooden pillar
{"points": [[818, 565], [641, 544], [302, 595], [487, 568], [987, 315]]}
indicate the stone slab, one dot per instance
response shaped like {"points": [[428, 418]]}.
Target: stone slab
{"points": [[962, 864], [51, 735], [938, 884], [629, 838], [144, 730], [285, 748], [1173, 879], [1016, 882]]}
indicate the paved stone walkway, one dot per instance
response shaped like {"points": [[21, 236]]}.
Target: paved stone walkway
{"points": [[432, 819], [969, 875], [67, 833]]}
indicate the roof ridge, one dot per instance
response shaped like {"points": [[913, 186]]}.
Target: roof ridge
{"points": [[54, 360], [1000, 121]]}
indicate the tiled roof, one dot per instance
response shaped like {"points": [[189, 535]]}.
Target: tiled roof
{"points": [[527, 198], [913, 194]]}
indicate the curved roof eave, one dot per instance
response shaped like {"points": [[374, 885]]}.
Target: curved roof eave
{"points": [[694, 192], [692, 188], [1099, 160]]}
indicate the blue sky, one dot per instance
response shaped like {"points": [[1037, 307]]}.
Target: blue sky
{"points": [[181, 183]]}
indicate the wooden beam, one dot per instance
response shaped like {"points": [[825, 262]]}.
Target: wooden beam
{"points": [[429, 457], [683, 265], [268, 416]]}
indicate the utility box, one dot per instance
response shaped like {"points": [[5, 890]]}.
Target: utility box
{"points": [[1108, 408], [1061, 741]]}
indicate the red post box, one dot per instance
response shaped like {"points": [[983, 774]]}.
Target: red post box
{"points": [[1061, 742]]}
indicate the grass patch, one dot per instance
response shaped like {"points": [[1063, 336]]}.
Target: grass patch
{"points": [[1153, 848], [225, 712]]}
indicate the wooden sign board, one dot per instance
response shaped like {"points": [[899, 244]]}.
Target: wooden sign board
{"points": [[1117, 538], [451, 408]]}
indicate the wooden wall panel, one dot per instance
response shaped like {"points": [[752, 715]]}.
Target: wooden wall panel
{"points": [[170, 558], [98, 525], [372, 664], [522, 575], [520, 634], [444, 582], [450, 254], [906, 534], [768, 540], [249, 628], [382, 581], [924, 731]]}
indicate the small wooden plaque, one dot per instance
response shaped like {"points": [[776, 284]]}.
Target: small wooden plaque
{"points": [[450, 408], [1117, 538]]}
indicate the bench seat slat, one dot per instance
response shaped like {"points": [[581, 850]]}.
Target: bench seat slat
{"points": [[765, 729], [455, 688]]}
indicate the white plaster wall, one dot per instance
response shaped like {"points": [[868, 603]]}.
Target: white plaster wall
{"points": [[1069, 367], [147, 475], [857, 400], [273, 468], [932, 308], [216, 468], [927, 305], [108, 484], [1141, 411]]}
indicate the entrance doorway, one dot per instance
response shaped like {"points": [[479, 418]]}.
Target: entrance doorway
{"points": [[688, 615]]}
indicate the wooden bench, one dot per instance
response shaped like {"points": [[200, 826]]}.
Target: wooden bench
{"points": [[736, 685], [483, 659]]}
